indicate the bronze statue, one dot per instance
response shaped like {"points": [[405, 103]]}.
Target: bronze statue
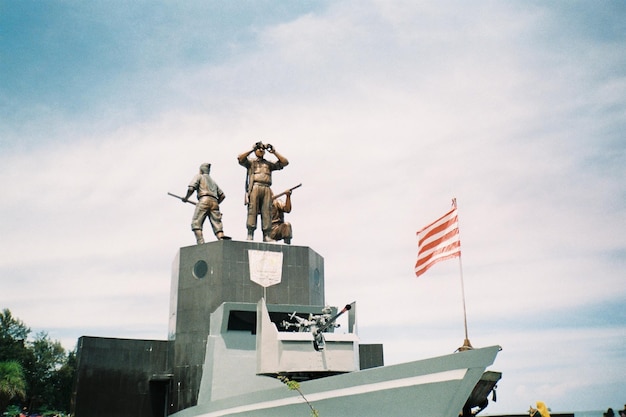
{"points": [[258, 182], [280, 228], [209, 196]]}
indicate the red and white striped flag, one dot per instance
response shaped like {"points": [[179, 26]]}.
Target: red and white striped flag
{"points": [[438, 241]]}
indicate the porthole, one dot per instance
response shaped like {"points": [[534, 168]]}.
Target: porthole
{"points": [[200, 269]]}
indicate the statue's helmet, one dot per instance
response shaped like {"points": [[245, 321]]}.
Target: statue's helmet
{"points": [[205, 168]]}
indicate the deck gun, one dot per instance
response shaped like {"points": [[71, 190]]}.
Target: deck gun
{"points": [[316, 324]]}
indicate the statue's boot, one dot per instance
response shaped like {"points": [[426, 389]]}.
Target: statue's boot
{"points": [[222, 236], [250, 234]]}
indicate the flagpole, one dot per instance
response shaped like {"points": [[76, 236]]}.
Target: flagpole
{"points": [[466, 343]]}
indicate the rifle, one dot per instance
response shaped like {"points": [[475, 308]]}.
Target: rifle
{"points": [[246, 196], [181, 199], [286, 191]]}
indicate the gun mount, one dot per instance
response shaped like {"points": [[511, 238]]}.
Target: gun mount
{"points": [[288, 352], [316, 324]]}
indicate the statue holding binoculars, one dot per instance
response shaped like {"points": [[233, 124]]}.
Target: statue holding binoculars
{"points": [[258, 196]]}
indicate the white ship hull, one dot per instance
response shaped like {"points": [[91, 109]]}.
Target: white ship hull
{"points": [[435, 387]]}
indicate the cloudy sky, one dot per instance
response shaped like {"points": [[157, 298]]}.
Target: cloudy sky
{"points": [[386, 111]]}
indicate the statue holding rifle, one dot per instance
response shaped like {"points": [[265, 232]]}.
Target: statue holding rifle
{"points": [[280, 228], [258, 182], [210, 195]]}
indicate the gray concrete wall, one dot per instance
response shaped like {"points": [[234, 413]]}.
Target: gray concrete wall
{"points": [[204, 276]]}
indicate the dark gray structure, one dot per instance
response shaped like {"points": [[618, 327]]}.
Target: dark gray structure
{"points": [[121, 377]]}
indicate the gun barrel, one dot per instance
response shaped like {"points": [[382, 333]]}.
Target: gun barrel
{"points": [[181, 199], [286, 191], [333, 319]]}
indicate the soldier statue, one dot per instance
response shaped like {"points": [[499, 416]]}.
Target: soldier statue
{"points": [[258, 182], [210, 195], [280, 228]]}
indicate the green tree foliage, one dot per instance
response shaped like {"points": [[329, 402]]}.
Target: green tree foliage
{"points": [[12, 383], [64, 382], [48, 370], [49, 356], [13, 335]]}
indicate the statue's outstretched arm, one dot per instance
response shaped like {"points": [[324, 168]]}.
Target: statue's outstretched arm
{"points": [[287, 208], [284, 162], [190, 191], [242, 157]]}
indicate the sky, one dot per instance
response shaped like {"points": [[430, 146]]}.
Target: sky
{"points": [[386, 111]]}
